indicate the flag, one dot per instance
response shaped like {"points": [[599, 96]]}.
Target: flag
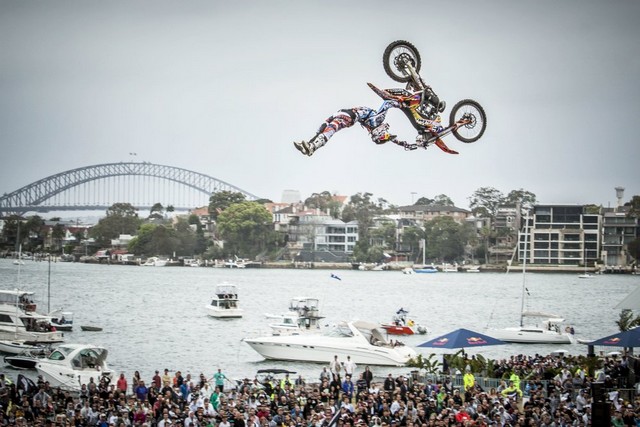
{"points": [[333, 276]]}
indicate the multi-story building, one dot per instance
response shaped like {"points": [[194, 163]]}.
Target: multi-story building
{"points": [[562, 235], [618, 229], [421, 213], [317, 236]]}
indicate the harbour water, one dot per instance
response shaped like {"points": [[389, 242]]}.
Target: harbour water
{"points": [[155, 317]]}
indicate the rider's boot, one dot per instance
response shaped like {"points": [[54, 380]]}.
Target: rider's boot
{"points": [[308, 148]]}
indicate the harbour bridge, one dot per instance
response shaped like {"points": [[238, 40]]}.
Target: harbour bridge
{"points": [[98, 187]]}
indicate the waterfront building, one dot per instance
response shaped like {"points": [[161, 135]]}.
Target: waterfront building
{"points": [[561, 235]]}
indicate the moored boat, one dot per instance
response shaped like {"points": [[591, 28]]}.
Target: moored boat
{"points": [[71, 365], [225, 303], [363, 341]]}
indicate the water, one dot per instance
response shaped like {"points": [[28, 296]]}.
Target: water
{"points": [[155, 318]]}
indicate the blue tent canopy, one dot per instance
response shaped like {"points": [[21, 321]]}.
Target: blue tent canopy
{"points": [[630, 338], [462, 338]]}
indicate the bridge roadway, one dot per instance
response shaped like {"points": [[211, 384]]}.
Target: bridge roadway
{"points": [[33, 197]]}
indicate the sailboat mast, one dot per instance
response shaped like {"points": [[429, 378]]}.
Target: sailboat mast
{"points": [[524, 268]]}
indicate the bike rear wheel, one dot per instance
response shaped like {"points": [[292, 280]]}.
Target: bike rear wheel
{"points": [[397, 56], [471, 110]]}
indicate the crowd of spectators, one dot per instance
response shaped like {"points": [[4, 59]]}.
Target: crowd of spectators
{"points": [[541, 391]]}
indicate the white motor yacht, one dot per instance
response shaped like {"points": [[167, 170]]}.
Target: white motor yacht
{"points": [[71, 365], [365, 342], [303, 316], [19, 320], [225, 304]]}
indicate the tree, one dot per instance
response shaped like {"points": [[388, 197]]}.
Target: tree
{"points": [[443, 200], [221, 200], [446, 239], [424, 201], [57, 234], [484, 202], [247, 228], [634, 205], [122, 218], [156, 211], [360, 208], [626, 320], [525, 199], [325, 202], [411, 237]]}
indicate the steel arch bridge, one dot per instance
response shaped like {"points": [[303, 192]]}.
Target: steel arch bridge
{"points": [[99, 186]]}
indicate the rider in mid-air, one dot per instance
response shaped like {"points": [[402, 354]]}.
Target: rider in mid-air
{"points": [[372, 120]]}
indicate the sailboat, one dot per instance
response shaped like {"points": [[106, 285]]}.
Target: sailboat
{"points": [[425, 268], [586, 274], [550, 330]]}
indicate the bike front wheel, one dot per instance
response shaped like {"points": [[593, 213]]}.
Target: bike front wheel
{"points": [[397, 57], [470, 110]]}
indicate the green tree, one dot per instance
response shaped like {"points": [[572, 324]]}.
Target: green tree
{"points": [[247, 229], [627, 321], [156, 211], [634, 205], [525, 199], [484, 202], [121, 218], [325, 202], [411, 237], [57, 234], [443, 200], [424, 201], [385, 234], [360, 208], [221, 200], [446, 239], [154, 240]]}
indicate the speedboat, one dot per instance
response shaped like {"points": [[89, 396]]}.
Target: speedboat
{"points": [[363, 341], [154, 262], [62, 320], [401, 326], [224, 304], [71, 365], [303, 316], [550, 331], [19, 320], [27, 359]]}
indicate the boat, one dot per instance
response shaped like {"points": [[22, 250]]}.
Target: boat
{"points": [[449, 268], [549, 329], [62, 320], [154, 261], [473, 270], [426, 269], [303, 316], [71, 365], [90, 328], [27, 359], [364, 342], [17, 346], [19, 320], [224, 304], [401, 326]]}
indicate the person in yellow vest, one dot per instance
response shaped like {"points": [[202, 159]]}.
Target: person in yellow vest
{"points": [[515, 378], [469, 380], [512, 390]]}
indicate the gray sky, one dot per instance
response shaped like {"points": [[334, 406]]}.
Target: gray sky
{"points": [[225, 87]]}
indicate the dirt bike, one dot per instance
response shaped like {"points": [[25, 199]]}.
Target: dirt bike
{"points": [[421, 105]]}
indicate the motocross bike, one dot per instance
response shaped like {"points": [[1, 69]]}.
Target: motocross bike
{"points": [[421, 105]]}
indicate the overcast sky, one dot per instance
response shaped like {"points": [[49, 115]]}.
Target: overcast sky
{"points": [[224, 88]]}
